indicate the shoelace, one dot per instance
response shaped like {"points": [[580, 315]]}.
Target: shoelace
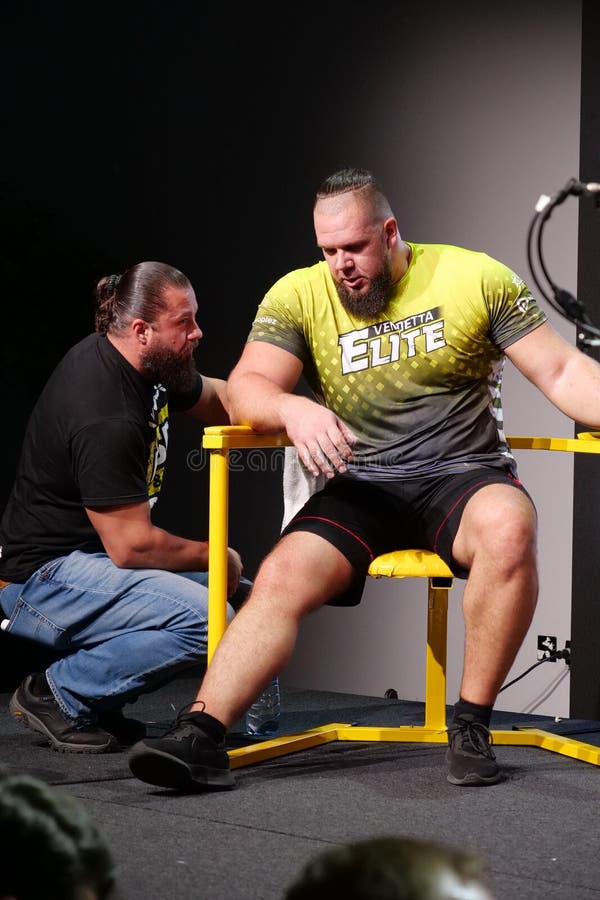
{"points": [[188, 707], [183, 712], [478, 736]]}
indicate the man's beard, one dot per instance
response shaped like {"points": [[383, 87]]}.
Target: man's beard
{"points": [[369, 305], [175, 372]]}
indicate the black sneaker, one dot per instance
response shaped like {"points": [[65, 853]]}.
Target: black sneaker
{"points": [[184, 758], [43, 714], [472, 760], [126, 731]]}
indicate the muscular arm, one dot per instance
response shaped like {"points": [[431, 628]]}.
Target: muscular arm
{"points": [[132, 541], [260, 395], [259, 385], [565, 375], [212, 406]]}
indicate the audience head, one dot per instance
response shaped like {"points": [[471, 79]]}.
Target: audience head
{"points": [[392, 868], [50, 849]]}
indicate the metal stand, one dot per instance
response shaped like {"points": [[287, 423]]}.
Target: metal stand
{"points": [[400, 564]]}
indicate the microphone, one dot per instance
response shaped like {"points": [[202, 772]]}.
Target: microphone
{"points": [[579, 187], [574, 187]]}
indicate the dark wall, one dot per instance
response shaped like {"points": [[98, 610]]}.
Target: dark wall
{"points": [[585, 666], [170, 132]]}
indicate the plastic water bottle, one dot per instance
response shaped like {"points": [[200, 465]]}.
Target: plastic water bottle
{"points": [[262, 718]]}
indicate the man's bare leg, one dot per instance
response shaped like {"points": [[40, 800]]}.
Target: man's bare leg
{"points": [[301, 573], [497, 542]]}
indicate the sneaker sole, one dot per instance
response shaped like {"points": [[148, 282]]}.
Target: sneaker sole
{"points": [[163, 770], [26, 718], [474, 780]]}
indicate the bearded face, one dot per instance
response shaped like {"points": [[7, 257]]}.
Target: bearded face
{"points": [[177, 372], [370, 303]]}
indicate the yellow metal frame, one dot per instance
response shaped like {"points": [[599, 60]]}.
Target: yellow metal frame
{"points": [[219, 440]]}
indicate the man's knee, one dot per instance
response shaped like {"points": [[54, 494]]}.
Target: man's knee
{"points": [[305, 570], [499, 523]]}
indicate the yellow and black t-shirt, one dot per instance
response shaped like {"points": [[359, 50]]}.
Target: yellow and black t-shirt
{"points": [[420, 384]]}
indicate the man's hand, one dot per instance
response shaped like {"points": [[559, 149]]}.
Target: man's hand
{"points": [[323, 441], [234, 571]]}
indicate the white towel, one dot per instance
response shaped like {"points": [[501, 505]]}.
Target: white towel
{"points": [[298, 484]]}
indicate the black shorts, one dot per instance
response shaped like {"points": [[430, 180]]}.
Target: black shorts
{"points": [[365, 519]]}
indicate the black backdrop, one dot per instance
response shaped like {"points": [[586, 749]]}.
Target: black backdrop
{"points": [[174, 132], [585, 622]]}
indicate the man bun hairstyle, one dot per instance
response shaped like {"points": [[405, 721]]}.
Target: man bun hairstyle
{"points": [[136, 294]]}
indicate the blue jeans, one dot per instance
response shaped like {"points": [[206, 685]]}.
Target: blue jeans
{"points": [[123, 631]]}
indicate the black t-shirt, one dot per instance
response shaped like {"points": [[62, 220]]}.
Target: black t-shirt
{"points": [[97, 437]]}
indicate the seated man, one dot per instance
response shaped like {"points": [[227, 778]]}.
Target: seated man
{"points": [[84, 569], [403, 344]]}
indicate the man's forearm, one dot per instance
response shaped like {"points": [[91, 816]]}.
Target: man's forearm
{"points": [[256, 401], [159, 549]]}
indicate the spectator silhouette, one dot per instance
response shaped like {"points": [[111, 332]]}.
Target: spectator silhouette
{"points": [[50, 848], [392, 868]]}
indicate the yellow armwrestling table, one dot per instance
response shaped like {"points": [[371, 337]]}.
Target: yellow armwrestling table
{"points": [[219, 440]]}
